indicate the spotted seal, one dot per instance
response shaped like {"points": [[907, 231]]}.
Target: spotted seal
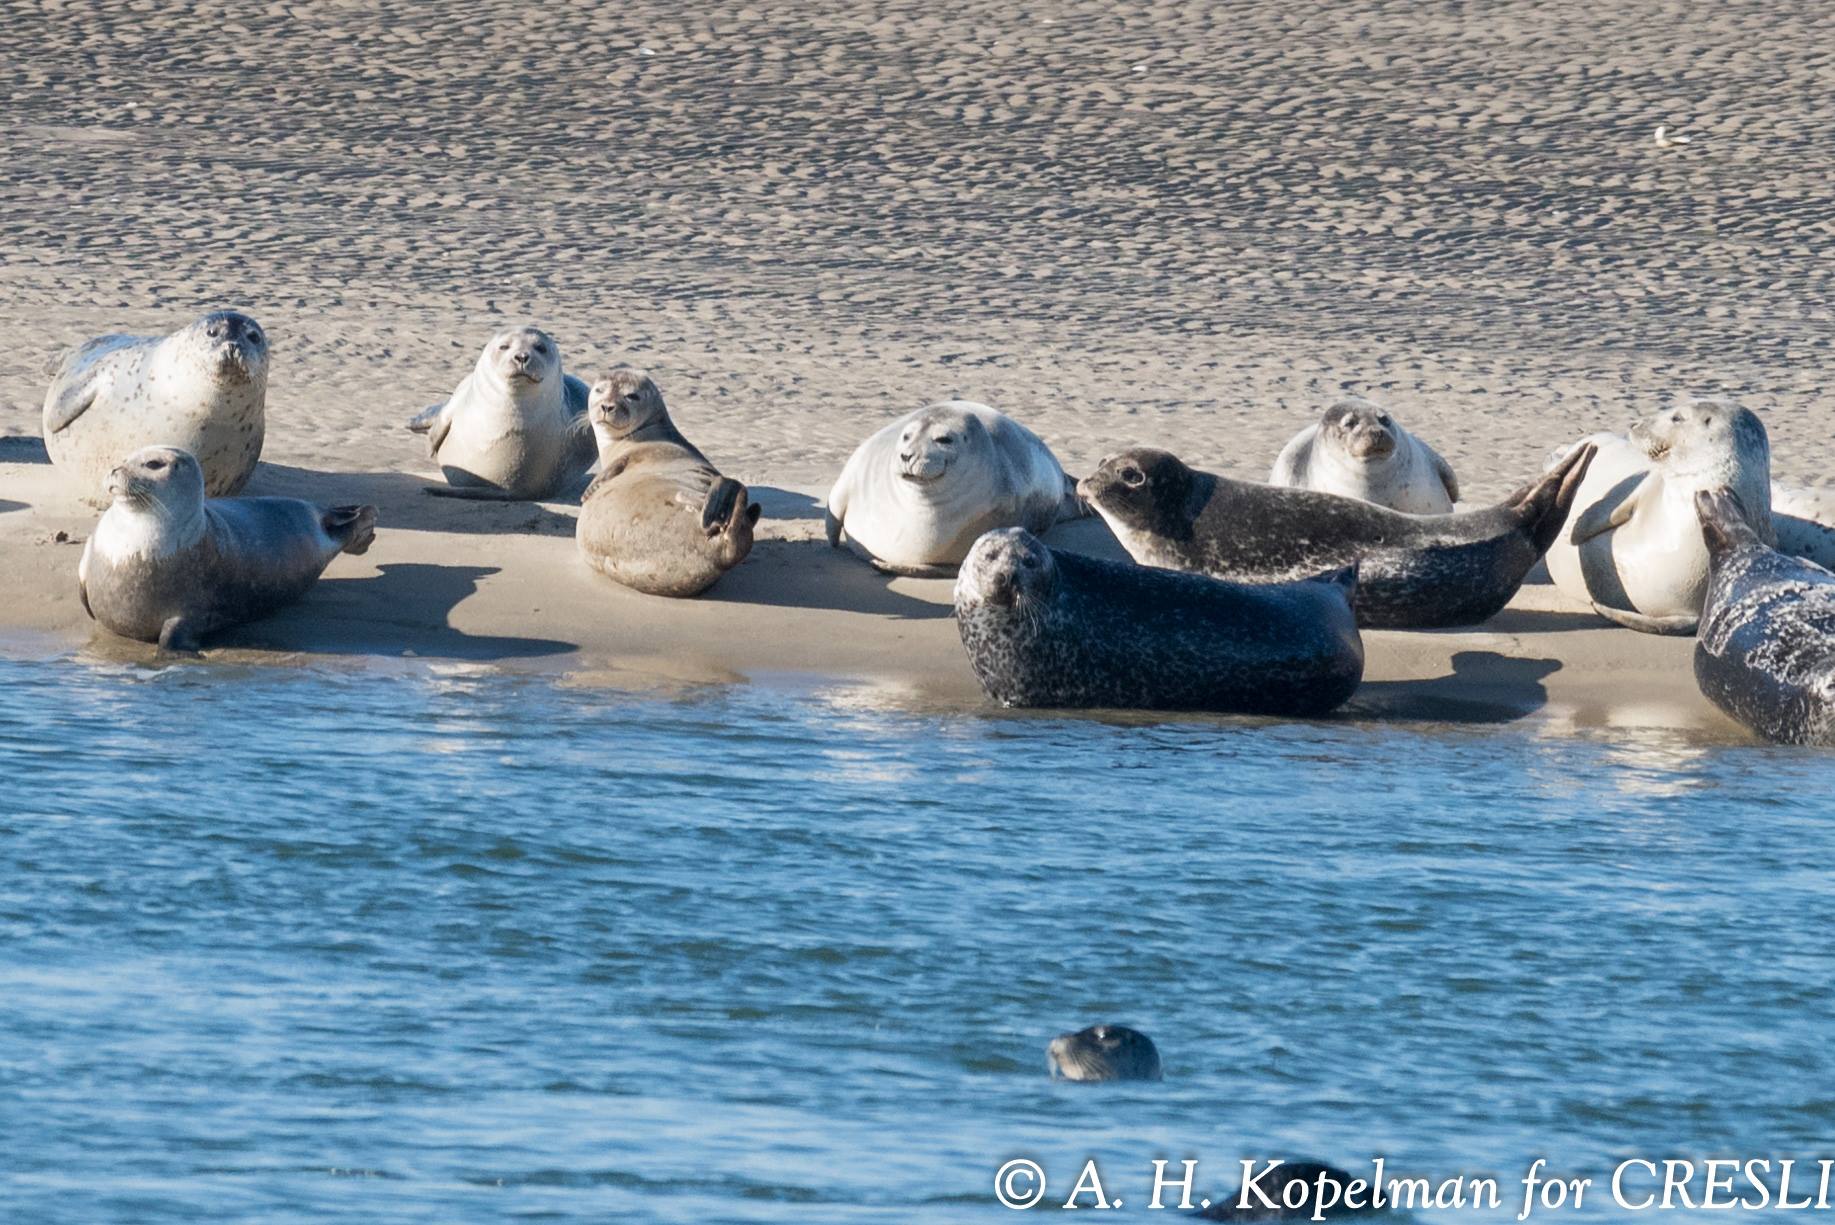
{"points": [[1049, 628], [515, 428], [659, 517], [1635, 551], [1765, 653], [914, 496], [166, 565], [1103, 1052], [204, 389], [1359, 450], [1414, 571]]}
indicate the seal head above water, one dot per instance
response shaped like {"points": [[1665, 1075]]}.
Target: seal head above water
{"points": [[1104, 1052]]}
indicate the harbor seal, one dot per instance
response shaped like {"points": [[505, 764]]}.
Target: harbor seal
{"points": [[1414, 571], [1103, 1052], [918, 493], [1765, 653], [166, 565], [204, 389], [1047, 628], [515, 428], [1635, 551], [1358, 450], [659, 517]]}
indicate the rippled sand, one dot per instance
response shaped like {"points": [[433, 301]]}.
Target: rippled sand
{"points": [[1185, 225]]}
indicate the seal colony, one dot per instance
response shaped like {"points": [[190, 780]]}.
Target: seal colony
{"points": [[1243, 598]]}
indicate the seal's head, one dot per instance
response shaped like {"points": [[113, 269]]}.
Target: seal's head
{"points": [[936, 441], [163, 481], [232, 347], [523, 358], [1709, 437], [1104, 1052], [623, 402], [1009, 568], [1140, 489], [1360, 430]]}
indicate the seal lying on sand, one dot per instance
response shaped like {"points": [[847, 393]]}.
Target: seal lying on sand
{"points": [[515, 428], [1104, 1052], [1634, 551], [1766, 651], [1291, 1191], [1414, 571], [658, 518], [1044, 628], [164, 565], [204, 388], [918, 493], [1357, 450]]}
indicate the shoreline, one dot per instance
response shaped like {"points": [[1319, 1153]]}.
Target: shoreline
{"points": [[500, 585]]}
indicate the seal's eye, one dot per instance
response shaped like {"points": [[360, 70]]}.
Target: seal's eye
{"points": [[541, 349], [1676, 418], [156, 465], [1133, 476], [1384, 421], [504, 347], [946, 440]]}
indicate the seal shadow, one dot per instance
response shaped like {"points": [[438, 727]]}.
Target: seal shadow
{"points": [[7, 507], [787, 505], [1543, 621], [808, 573], [1484, 687], [405, 607], [401, 502], [23, 449]]}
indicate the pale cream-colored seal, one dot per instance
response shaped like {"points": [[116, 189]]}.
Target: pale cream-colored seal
{"points": [[916, 495], [203, 389], [515, 428], [1358, 450]]}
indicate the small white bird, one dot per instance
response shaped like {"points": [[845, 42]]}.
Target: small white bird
{"points": [[1665, 140]]}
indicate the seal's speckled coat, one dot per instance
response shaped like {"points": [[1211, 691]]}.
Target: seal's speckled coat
{"points": [[1049, 628], [1414, 571], [1765, 653], [203, 389]]}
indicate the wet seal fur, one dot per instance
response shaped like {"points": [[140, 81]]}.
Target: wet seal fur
{"points": [[1358, 450], [659, 518], [1103, 1053], [1765, 653], [1048, 628], [1414, 571], [203, 389], [515, 428], [916, 495], [166, 565], [1635, 551]]}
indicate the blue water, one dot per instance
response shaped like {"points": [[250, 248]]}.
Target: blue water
{"points": [[310, 946]]}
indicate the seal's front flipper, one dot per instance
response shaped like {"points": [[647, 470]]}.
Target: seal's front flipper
{"points": [[725, 506], [423, 421], [1679, 625], [833, 525], [178, 637]]}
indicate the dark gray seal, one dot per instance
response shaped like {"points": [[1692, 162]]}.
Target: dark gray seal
{"points": [[1103, 1052], [1414, 571], [164, 565], [1765, 649], [1046, 628]]}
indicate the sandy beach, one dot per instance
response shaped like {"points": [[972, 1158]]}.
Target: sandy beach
{"points": [[1169, 226]]}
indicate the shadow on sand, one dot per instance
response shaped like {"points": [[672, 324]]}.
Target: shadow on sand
{"points": [[23, 449], [405, 608], [401, 502], [1484, 687]]}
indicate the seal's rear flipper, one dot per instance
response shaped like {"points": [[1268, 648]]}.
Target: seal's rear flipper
{"points": [[352, 526], [1679, 625], [1724, 526], [1544, 503], [726, 507]]}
